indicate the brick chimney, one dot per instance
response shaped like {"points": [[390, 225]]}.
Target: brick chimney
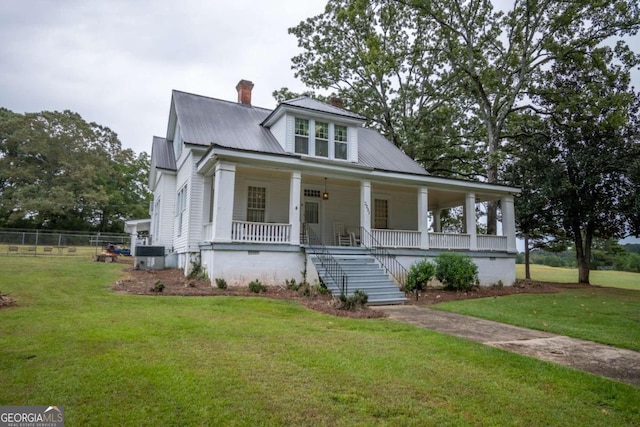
{"points": [[336, 102], [244, 92]]}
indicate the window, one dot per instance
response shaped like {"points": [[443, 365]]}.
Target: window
{"points": [[181, 206], [302, 136], [311, 212], [322, 139], [327, 140], [340, 141], [256, 204], [381, 213]]}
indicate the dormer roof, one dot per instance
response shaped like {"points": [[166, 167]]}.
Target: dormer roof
{"points": [[304, 104]]}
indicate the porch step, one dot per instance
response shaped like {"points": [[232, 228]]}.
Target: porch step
{"points": [[364, 273]]}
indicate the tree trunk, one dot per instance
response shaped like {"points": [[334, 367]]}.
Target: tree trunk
{"points": [[583, 255], [492, 178], [527, 270]]}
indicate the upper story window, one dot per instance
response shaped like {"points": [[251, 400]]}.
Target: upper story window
{"points": [[302, 136], [340, 142], [322, 139]]}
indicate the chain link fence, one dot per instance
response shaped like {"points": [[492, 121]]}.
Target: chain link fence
{"points": [[40, 242]]}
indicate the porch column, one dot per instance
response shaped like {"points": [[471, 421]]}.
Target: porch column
{"points": [[224, 186], [423, 217], [509, 222], [470, 220], [437, 221], [294, 207], [365, 211]]}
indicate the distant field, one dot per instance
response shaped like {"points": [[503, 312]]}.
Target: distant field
{"points": [[44, 250], [616, 279]]}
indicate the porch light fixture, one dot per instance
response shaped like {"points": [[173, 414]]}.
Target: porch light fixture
{"points": [[325, 195]]}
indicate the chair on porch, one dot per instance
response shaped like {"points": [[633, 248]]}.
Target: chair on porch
{"points": [[340, 235]]}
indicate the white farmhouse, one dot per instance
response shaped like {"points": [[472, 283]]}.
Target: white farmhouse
{"points": [[306, 190]]}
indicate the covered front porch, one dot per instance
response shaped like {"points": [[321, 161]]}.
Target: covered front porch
{"points": [[274, 206]]}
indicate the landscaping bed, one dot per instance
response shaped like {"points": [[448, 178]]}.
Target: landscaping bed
{"points": [[145, 282]]}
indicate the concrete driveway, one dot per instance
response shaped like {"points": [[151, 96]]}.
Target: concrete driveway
{"points": [[611, 362]]}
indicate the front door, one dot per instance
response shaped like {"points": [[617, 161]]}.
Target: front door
{"points": [[311, 218]]}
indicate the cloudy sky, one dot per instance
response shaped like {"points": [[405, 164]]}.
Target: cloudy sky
{"points": [[115, 62]]}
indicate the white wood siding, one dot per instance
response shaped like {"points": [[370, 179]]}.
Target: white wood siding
{"points": [[185, 171], [352, 136], [195, 206], [277, 195], [403, 207], [279, 131], [343, 206], [166, 191], [289, 129]]}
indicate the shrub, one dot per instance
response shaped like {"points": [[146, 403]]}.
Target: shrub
{"points": [[322, 289], [292, 285], [221, 283], [353, 302], [197, 270], [257, 287], [158, 287], [456, 272], [419, 276]]}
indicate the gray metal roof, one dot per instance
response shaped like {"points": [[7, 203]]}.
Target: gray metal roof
{"points": [[315, 105], [204, 121], [162, 153], [376, 151]]}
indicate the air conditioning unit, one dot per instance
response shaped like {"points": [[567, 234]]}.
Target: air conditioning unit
{"points": [[149, 257]]}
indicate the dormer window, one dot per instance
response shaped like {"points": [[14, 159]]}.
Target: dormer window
{"points": [[322, 139], [340, 141], [302, 136]]}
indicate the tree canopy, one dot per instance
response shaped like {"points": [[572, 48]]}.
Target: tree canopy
{"points": [[582, 163], [59, 172], [442, 79]]}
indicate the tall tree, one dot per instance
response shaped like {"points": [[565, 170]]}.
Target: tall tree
{"points": [[376, 56], [59, 172], [585, 167], [403, 61]]}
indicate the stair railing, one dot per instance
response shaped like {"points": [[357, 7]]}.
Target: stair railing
{"points": [[384, 257], [329, 263]]}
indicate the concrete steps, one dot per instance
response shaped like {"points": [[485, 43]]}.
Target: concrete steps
{"points": [[364, 273]]}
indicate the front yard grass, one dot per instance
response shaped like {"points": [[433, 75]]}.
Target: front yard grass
{"points": [[115, 359], [605, 315]]}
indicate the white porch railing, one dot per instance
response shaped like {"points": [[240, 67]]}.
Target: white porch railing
{"points": [[449, 241], [397, 238], [260, 232], [492, 243]]}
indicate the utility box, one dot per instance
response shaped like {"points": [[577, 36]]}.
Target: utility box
{"points": [[149, 257]]}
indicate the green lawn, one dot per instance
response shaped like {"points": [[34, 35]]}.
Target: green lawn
{"points": [[608, 313], [618, 279], [115, 359]]}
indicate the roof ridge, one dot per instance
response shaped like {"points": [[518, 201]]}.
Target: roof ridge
{"points": [[221, 100]]}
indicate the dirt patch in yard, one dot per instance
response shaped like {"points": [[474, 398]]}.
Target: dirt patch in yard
{"points": [[6, 300], [145, 282], [436, 296]]}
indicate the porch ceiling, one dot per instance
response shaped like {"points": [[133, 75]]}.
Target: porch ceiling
{"points": [[440, 196]]}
